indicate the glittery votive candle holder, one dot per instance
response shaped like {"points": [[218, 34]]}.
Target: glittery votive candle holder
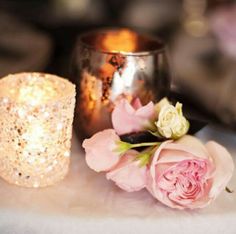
{"points": [[36, 114]]}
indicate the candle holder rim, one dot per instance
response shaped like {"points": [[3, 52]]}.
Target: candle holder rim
{"points": [[140, 53], [69, 84]]}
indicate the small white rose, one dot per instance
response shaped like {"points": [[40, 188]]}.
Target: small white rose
{"points": [[163, 102], [171, 122]]}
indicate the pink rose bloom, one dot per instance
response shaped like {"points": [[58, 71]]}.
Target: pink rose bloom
{"points": [[99, 149], [187, 174], [128, 174], [127, 118]]}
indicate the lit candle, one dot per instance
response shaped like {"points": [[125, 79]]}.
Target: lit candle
{"points": [[110, 64], [36, 114]]}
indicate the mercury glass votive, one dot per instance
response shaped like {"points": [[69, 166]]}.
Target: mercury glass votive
{"points": [[36, 114], [110, 64]]}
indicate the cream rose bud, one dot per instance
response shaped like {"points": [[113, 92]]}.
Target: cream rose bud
{"points": [[171, 123]]}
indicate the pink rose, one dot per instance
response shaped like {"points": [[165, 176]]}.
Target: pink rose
{"points": [[128, 174], [99, 149], [127, 118], [187, 174]]}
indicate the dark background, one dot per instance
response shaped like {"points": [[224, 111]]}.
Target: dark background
{"points": [[40, 35]]}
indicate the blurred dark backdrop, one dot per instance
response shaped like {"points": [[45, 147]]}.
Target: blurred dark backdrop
{"points": [[40, 35]]}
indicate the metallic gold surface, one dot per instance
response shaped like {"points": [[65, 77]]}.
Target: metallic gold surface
{"points": [[110, 64]]}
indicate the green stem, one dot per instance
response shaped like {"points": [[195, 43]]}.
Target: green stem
{"points": [[145, 144], [144, 157], [122, 146]]}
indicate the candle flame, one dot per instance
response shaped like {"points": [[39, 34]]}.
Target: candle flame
{"points": [[123, 41]]}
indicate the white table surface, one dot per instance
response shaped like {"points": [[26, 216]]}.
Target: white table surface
{"points": [[85, 202]]}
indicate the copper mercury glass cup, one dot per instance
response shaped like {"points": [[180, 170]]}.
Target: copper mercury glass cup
{"points": [[110, 64]]}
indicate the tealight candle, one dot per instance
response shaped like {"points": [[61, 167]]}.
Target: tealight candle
{"points": [[36, 114], [111, 64]]}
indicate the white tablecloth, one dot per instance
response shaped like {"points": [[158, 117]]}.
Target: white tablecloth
{"points": [[85, 202]]}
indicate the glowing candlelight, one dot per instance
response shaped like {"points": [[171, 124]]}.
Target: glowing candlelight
{"points": [[36, 120], [123, 40], [110, 64]]}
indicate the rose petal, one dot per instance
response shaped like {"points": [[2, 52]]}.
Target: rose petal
{"points": [[187, 144], [224, 167], [99, 149], [127, 174], [136, 103], [126, 119], [146, 111]]}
